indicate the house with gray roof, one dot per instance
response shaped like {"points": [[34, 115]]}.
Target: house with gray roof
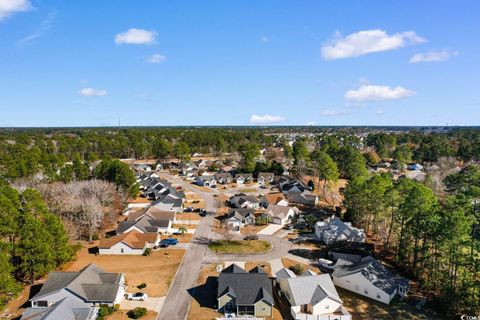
{"points": [[305, 198], [237, 218], [206, 181], [279, 214], [311, 296], [76, 295], [369, 277], [245, 293], [153, 220], [333, 230], [265, 177], [241, 200]]}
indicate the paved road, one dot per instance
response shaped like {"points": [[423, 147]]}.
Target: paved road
{"points": [[178, 299]]}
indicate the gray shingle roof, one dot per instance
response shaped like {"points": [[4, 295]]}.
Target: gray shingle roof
{"points": [[65, 309], [311, 289], [373, 271], [248, 288], [90, 284]]}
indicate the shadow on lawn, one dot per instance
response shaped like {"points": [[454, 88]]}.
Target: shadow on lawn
{"points": [[203, 293]]}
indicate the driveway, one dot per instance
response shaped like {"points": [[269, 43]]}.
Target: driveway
{"points": [[151, 303], [270, 229]]}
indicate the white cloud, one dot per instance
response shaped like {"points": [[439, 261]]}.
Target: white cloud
{"points": [[9, 7], [156, 58], [266, 119], [369, 92], [333, 113], [367, 41], [433, 56], [91, 92], [42, 29], [380, 112], [136, 36]]}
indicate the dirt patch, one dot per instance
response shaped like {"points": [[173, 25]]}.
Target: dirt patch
{"points": [[254, 229], [287, 263], [363, 308], [122, 315], [185, 217], [240, 246], [156, 270], [202, 306], [249, 265]]}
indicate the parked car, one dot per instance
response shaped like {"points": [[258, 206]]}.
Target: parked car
{"points": [[137, 296], [188, 209], [164, 245], [170, 241], [325, 264], [251, 237], [203, 213]]}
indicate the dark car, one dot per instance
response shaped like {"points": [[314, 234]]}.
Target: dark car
{"points": [[251, 237], [164, 245], [170, 241]]}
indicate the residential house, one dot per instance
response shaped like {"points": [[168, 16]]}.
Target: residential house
{"points": [[132, 242], [223, 177], [415, 167], [207, 181], [303, 198], [243, 293], [368, 277], [169, 203], [237, 218], [279, 214], [241, 178], [288, 186], [241, 200], [277, 198], [76, 295], [311, 296], [265, 177], [151, 221], [333, 230], [142, 167]]}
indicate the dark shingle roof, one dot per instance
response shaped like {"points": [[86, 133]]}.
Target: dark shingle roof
{"points": [[248, 288]]}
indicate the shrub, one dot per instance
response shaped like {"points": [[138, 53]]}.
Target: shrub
{"points": [[297, 269], [136, 313], [104, 311], [147, 252], [142, 285]]}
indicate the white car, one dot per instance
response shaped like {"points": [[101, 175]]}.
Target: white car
{"points": [[138, 296]]}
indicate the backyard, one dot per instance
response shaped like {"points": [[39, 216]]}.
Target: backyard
{"points": [[156, 271]]}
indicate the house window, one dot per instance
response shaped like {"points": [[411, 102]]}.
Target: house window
{"points": [[121, 250], [327, 307], [366, 291], [378, 295], [42, 303], [246, 310]]}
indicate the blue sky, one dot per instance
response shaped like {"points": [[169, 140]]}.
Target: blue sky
{"points": [[95, 63]]}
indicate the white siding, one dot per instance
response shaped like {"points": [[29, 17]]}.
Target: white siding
{"points": [[121, 248], [360, 285]]}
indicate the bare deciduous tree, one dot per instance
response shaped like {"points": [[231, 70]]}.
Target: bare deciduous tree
{"points": [[226, 232]]}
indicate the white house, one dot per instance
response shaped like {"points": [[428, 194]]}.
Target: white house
{"points": [[242, 178], [311, 296], [369, 278], [279, 214], [151, 221], [132, 242], [237, 218], [206, 181], [241, 200], [265, 177], [333, 230]]}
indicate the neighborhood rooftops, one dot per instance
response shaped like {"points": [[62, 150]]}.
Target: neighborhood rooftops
{"points": [[276, 211], [149, 221]]}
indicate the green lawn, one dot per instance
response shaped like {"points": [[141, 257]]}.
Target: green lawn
{"points": [[242, 246]]}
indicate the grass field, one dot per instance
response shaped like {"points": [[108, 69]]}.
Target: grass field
{"points": [[156, 270], [241, 246]]}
